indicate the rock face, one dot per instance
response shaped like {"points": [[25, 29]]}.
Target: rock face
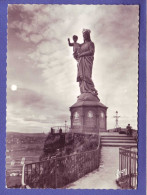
{"points": [[62, 144], [88, 114]]}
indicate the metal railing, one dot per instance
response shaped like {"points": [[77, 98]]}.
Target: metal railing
{"points": [[128, 168], [64, 129], [57, 172]]}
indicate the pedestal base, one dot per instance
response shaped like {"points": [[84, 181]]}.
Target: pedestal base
{"points": [[88, 114]]}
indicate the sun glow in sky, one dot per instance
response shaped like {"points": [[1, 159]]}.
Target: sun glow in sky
{"points": [[13, 87], [40, 62]]}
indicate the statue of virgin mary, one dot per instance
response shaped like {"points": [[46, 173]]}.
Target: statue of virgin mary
{"points": [[85, 65]]}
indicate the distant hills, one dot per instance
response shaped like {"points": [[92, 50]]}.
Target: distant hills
{"points": [[25, 134]]}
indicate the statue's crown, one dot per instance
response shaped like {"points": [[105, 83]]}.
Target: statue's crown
{"points": [[86, 30]]}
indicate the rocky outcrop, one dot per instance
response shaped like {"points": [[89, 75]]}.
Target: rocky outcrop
{"points": [[61, 144]]}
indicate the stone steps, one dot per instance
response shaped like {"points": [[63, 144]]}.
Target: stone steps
{"points": [[118, 141], [119, 144], [117, 138]]}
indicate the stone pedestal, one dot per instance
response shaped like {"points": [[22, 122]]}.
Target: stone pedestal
{"points": [[88, 115]]}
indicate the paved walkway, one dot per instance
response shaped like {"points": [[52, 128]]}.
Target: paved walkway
{"points": [[105, 176]]}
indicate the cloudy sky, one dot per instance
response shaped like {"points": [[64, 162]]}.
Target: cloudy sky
{"points": [[41, 65]]}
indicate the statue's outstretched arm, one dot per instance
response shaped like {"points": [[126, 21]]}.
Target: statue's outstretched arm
{"points": [[69, 43]]}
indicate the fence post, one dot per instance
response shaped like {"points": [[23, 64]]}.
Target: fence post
{"points": [[98, 157], [23, 176], [130, 169], [55, 173]]}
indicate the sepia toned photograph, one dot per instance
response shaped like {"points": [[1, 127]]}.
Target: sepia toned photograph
{"points": [[72, 96]]}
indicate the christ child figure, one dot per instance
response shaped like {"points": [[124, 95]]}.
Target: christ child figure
{"points": [[75, 45]]}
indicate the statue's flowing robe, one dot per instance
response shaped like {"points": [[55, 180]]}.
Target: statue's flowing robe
{"points": [[85, 64]]}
